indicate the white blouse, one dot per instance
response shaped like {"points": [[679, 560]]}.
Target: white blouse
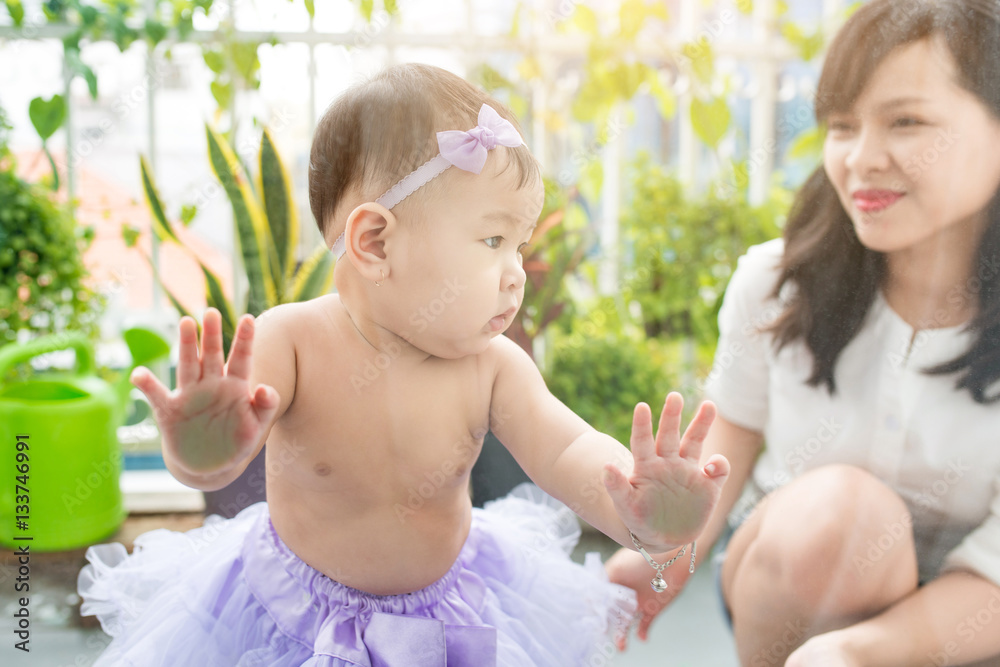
{"points": [[935, 446]]}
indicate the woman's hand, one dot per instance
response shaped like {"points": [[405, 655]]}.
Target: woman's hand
{"points": [[669, 496], [214, 420], [628, 568]]}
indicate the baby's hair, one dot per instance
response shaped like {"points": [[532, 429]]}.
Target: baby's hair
{"points": [[380, 130]]}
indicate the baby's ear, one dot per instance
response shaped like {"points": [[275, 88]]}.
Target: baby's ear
{"points": [[369, 228]]}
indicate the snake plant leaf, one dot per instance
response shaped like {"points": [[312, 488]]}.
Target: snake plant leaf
{"points": [[315, 277], [216, 298], [166, 290], [253, 234], [160, 225], [275, 190]]}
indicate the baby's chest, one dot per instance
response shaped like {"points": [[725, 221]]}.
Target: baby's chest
{"points": [[403, 428]]}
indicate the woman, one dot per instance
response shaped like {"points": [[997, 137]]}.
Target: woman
{"points": [[864, 348]]}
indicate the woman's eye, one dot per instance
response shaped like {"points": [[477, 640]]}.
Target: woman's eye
{"points": [[839, 126], [493, 242]]}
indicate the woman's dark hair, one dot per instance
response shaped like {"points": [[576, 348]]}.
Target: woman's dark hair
{"points": [[835, 277]]}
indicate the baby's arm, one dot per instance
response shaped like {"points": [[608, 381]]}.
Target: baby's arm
{"points": [[658, 490], [219, 416]]}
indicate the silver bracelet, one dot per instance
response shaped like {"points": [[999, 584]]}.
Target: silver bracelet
{"points": [[658, 584]]}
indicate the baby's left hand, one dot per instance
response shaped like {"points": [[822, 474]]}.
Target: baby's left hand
{"points": [[669, 495]]}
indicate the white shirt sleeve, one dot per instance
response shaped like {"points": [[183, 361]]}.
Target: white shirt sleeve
{"points": [[738, 383], [979, 552]]}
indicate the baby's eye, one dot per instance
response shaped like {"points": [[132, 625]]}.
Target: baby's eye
{"points": [[523, 249], [493, 242], [906, 121]]}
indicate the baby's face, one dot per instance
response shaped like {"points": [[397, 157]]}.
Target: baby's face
{"points": [[459, 270]]}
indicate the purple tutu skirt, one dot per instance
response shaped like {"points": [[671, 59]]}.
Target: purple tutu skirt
{"points": [[231, 593]]}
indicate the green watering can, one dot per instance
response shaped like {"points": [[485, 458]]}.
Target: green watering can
{"points": [[59, 452]]}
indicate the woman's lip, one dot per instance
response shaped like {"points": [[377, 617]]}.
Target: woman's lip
{"points": [[869, 201]]}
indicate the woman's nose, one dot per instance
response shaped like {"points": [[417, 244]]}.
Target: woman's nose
{"points": [[868, 152]]}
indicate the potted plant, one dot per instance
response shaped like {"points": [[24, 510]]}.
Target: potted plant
{"points": [[42, 274]]}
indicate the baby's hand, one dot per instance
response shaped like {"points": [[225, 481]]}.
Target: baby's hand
{"points": [[213, 421], [669, 495]]}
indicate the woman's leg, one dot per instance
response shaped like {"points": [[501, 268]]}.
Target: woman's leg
{"points": [[830, 548]]}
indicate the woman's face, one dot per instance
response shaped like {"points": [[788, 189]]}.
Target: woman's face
{"points": [[918, 156]]}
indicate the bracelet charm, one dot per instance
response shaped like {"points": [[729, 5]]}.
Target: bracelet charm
{"points": [[658, 584]]}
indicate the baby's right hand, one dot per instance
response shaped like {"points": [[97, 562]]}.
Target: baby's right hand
{"points": [[214, 420]]}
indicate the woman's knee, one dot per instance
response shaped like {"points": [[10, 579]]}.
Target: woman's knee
{"points": [[836, 537]]}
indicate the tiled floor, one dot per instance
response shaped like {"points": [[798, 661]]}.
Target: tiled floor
{"points": [[690, 633]]}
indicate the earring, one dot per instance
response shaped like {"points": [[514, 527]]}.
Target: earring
{"points": [[378, 283]]}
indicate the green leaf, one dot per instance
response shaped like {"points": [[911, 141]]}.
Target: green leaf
{"points": [[216, 298], [491, 79], [631, 16], [170, 295], [367, 7], [666, 99], [88, 76], [188, 212], [251, 225], [245, 59], [279, 208], [52, 165], [215, 60], [78, 67], [130, 234], [702, 59], [71, 42], [592, 179], [808, 144], [391, 7], [584, 19], [47, 116], [16, 11], [311, 8], [122, 34], [710, 120], [160, 225], [515, 23], [155, 31], [808, 45], [315, 277], [89, 16], [222, 92]]}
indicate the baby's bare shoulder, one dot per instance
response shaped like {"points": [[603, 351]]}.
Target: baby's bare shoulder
{"points": [[278, 340]]}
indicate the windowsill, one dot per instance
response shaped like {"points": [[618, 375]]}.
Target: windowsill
{"points": [[157, 492]]}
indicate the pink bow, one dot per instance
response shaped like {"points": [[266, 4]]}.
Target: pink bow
{"points": [[468, 150]]}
